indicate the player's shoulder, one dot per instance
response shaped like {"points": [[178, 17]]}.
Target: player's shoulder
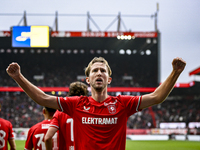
{"points": [[70, 99], [56, 113], [60, 114], [124, 98], [84, 99], [45, 124], [119, 97], [40, 125], [73, 98], [5, 122], [37, 125]]}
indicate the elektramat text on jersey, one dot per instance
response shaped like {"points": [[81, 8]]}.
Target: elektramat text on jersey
{"points": [[91, 120]]}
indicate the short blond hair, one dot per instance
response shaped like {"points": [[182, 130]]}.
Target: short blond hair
{"points": [[94, 60]]}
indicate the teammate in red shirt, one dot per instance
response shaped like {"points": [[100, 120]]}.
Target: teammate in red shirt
{"points": [[6, 135], [64, 123], [36, 133], [99, 120]]}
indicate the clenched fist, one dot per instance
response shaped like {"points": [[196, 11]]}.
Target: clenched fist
{"points": [[178, 65], [13, 70]]}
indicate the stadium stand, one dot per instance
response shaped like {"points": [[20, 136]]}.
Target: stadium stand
{"points": [[57, 70], [21, 111]]}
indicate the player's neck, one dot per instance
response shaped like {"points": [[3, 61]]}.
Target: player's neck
{"points": [[99, 96], [47, 117]]}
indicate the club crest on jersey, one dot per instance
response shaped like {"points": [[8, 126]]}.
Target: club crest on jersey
{"points": [[111, 109]]}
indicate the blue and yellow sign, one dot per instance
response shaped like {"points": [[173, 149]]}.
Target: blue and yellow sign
{"points": [[30, 36]]}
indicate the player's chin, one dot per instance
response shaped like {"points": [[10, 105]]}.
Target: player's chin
{"points": [[99, 88]]}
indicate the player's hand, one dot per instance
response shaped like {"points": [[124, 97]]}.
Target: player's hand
{"points": [[178, 64], [13, 70]]}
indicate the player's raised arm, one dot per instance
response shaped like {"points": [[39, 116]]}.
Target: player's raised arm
{"points": [[161, 93], [31, 90]]}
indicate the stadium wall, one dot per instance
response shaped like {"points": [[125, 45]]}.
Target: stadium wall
{"points": [[163, 137], [140, 134]]}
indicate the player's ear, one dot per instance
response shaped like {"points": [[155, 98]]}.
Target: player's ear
{"points": [[87, 80], [44, 111], [109, 80]]}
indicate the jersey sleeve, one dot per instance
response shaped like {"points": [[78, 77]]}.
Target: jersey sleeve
{"points": [[11, 133], [29, 143], [68, 104], [132, 103], [55, 120]]}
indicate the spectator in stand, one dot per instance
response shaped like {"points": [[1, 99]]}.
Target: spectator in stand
{"points": [[36, 133], [99, 120], [63, 122], [6, 135]]}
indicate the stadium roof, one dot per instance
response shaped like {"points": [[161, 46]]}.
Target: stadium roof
{"points": [[195, 72]]}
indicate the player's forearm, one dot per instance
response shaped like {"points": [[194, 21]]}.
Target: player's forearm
{"points": [[48, 143], [49, 137], [161, 93], [13, 148], [31, 90], [12, 144], [166, 87]]}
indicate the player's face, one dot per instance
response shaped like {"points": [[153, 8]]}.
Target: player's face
{"points": [[98, 77]]}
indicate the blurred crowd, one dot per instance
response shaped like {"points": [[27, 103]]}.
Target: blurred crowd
{"points": [[22, 111], [53, 71], [182, 110], [58, 78], [19, 109]]}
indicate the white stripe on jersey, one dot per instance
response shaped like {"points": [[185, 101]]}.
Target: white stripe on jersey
{"points": [[138, 104], [51, 125], [60, 104]]}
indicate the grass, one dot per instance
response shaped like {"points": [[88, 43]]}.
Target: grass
{"points": [[19, 144], [162, 145], [147, 145]]}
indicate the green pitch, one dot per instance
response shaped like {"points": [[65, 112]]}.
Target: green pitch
{"points": [[147, 145], [162, 145], [20, 144]]}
